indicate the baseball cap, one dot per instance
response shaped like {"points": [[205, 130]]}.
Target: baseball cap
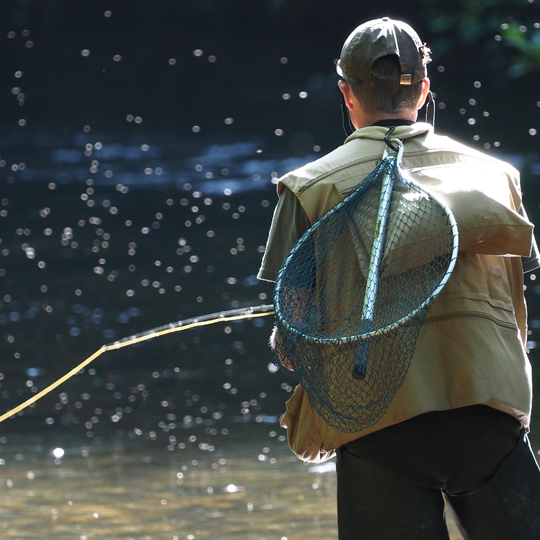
{"points": [[383, 37]]}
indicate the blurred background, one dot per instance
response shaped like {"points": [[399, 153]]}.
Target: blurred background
{"points": [[140, 144]]}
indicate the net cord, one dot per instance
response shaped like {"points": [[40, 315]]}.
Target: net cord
{"points": [[178, 326], [403, 320]]}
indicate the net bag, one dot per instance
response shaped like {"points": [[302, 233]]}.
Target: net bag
{"points": [[351, 297]]}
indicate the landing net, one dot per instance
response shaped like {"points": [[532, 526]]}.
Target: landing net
{"points": [[352, 295]]}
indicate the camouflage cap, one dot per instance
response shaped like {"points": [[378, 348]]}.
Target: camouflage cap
{"points": [[383, 37]]}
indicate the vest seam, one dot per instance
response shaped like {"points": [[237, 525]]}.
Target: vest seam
{"points": [[474, 314]]}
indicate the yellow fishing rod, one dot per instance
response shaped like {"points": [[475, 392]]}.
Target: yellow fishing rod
{"points": [[178, 326]]}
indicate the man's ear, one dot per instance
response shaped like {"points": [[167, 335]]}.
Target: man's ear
{"points": [[425, 89], [347, 92]]}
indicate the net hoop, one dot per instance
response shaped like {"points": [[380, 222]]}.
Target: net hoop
{"points": [[352, 296], [412, 314]]}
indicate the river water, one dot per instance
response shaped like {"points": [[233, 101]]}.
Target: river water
{"points": [[123, 490], [176, 438]]}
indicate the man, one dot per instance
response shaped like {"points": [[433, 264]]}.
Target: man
{"points": [[458, 424]]}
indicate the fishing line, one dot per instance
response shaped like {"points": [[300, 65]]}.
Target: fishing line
{"points": [[178, 326]]}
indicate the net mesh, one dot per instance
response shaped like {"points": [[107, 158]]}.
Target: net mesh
{"points": [[349, 310]]}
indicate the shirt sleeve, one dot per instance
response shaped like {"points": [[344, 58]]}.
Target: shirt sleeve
{"points": [[532, 262], [289, 223]]}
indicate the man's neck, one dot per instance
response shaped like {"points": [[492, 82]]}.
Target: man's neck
{"points": [[389, 122], [364, 120]]}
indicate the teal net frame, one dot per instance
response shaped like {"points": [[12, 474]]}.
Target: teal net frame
{"points": [[350, 339]]}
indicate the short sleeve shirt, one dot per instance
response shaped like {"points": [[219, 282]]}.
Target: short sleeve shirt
{"points": [[289, 223], [532, 262]]}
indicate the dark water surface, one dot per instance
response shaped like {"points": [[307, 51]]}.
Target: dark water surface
{"points": [[173, 438]]}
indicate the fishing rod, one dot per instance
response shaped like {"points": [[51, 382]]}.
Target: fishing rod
{"points": [[178, 326]]}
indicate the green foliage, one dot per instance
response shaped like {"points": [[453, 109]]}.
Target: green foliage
{"points": [[504, 33], [527, 46]]}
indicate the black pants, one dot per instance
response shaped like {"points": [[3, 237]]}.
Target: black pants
{"points": [[391, 483]]}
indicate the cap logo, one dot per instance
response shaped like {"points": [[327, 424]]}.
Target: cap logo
{"points": [[406, 79]]}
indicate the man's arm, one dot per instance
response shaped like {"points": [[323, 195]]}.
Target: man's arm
{"points": [[289, 223]]}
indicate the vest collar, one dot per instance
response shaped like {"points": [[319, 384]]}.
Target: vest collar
{"points": [[401, 132]]}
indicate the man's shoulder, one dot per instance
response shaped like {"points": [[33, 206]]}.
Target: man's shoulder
{"points": [[351, 158], [360, 153], [457, 151], [340, 157]]}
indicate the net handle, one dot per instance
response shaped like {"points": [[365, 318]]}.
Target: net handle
{"points": [[377, 251], [379, 239]]}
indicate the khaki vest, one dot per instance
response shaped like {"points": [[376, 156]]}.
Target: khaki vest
{"points": [[471, 349]]}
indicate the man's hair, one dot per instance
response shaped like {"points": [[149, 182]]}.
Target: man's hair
{"points": [[384, 91]]}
